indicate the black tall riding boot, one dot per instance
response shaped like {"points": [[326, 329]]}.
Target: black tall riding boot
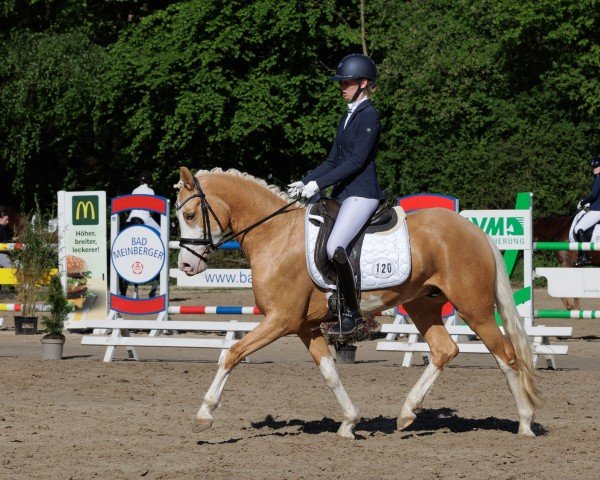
{"points": [[584, 257], [350, 316]]}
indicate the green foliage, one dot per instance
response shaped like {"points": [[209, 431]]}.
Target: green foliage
{"points": [[470, 102], [47, 90], [59, 308], [34, 261], [478, 99], [101, 21], [241, 84]]}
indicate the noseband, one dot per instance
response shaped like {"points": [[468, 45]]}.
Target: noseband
{"points": [[207, 239], [207, 210]]}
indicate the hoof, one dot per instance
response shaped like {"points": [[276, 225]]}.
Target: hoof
{"points": [[202, 424], [526, 432], [345, 432], [406, 421]]}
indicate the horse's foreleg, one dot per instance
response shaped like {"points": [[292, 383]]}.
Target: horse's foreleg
{"points": [[265, 333], [212, 399], [317, 346], [427, 317], [566, 259]]}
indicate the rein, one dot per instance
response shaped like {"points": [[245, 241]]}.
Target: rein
{"points": [[207, 210]]}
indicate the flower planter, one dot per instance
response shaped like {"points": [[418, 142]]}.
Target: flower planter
{"points": [[345, 353], [25, 325], [52, 348]]}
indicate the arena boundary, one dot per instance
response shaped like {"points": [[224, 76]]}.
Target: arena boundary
{"points": [[161, 306]]}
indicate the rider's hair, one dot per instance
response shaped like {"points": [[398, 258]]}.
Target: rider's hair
{"points": [[145, 176]]}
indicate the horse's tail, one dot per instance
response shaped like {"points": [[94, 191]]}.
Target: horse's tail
{"points": [[513, 327]]}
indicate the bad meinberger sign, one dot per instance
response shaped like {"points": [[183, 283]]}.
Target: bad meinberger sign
{"points": [[138, 254]]}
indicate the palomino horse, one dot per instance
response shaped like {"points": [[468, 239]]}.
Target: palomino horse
{"points": [[449, 255], [556, 229]]}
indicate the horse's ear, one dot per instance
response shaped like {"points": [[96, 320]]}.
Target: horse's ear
{"points": [[186, 177]]}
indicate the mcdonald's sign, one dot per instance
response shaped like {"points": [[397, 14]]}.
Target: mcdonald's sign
{"points": [[85, 210]]}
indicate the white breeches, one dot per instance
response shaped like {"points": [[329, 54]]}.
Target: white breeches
{"points": [[590, 219], [354, 213]]}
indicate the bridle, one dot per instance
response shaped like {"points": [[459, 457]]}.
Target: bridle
{"points": [[206, 211]]}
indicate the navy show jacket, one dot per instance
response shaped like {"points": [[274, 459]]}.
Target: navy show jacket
{"points": [[594, 198], [350, 165]]}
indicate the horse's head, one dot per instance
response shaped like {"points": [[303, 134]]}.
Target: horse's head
{"points": [[203, 217]]}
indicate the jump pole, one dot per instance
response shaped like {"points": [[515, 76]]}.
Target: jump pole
{"points": [[573, 314], [571, 246]]}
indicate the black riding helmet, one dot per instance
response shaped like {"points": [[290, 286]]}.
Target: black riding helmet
{"points": [[356, 66], [595, 162]]}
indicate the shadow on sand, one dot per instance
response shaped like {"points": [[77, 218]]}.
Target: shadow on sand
{"points": [[428, 422]]}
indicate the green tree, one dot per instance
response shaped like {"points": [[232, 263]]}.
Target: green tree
{"points": [[240, 84], [470, 104], [100, 21], [48, 86]]}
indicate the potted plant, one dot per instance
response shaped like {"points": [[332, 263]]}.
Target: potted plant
{"points": [[345, 350], [32, 263], [54, 340]]}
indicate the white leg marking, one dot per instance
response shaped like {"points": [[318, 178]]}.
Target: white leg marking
{"points": [[212, 399], [414, 399], [351, 415], [524, 409]]}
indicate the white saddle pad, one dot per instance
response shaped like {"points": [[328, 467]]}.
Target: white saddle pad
{"points": [[595, 234], [384, 260]]}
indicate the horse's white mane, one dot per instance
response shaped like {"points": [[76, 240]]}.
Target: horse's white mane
{"points": [[232, 171]]}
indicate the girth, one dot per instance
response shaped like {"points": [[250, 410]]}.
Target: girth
{"points": [[382, 219]]}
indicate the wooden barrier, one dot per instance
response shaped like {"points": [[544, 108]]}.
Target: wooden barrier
{"points": [[540, 342], [121, 336]]}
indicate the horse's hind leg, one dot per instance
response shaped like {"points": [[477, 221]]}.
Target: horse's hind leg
{"points": [[484, 325], [265, 333], [426, 314], [317, 346]]}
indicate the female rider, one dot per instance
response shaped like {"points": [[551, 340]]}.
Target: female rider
{"points": [[350, 168], [584, 227]]}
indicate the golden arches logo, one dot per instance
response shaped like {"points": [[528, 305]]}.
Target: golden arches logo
{"points": [[85, 206], [86, 210]]}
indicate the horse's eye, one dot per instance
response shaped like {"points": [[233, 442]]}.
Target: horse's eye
{"points": [[190, 216]]}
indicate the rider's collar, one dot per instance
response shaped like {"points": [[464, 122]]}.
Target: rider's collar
{"points": [[353, 105]]}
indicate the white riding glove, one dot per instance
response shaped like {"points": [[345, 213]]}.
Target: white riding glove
{"points": [[310, 189], [581, 206], [295, 189]]}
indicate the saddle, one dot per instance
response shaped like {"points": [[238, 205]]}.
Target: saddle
{"points": [[382, 219]]}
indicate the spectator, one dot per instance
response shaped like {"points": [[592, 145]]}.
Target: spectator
{"points": [[144, 215], [7, 221], [138, 217]]}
